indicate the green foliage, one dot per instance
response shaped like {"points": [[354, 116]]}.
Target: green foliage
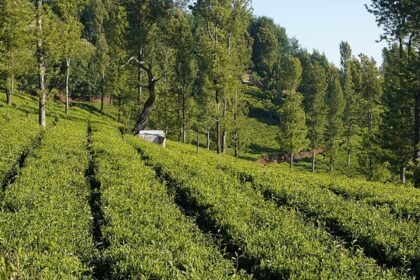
{"points": [[278, 237], [293, 126], [148, 235], [315, 104], [336, 103], [45, 225], [382, 219], [15, 43]]}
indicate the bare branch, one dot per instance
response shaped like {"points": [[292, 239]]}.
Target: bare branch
{"points": [[142, 64]]}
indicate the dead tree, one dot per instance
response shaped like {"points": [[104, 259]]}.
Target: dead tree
{"points": [[143, 117]]}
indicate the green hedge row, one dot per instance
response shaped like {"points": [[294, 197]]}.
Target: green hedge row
{"points": [[382, 235], [278, 238], [45, 219], [17, 133], [148, 236]]}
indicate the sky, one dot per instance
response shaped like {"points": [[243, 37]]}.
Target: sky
{"points": [[323, 24]]}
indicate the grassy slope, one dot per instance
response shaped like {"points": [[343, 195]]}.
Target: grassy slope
{"points": [[264, 132]]}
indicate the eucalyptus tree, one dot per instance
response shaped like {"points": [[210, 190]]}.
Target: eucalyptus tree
{"points": [[397, 124], [370, 113], [350, 110], [336, 104], [316, 109], [15, 42], [293, 133], [40, 55], [293, 128]]}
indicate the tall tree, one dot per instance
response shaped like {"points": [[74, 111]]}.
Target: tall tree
{"points": [[315, 107], [292, 116], [398, 115], [40, 54], [293, 128], [351, 99], [179, 35], [221, 33], [336, 104], [96, 27], [15, 40], [371, 108], [400, 22], [71, 31]]}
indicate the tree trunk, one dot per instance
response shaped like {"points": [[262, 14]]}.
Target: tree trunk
{"points": [[348, 158], [143, 118], [10, 90], [184, 121], [224, 139], [8, 97], [139, 88], [313, 160], [236, 143], [198, 140], [42, 109], [208, 139], [218, 124], [102, 91], [224, 132], [416, 156], [119, 108], [291, 161], [41, 64], [403, 175], [68, 61], [331, 166]]}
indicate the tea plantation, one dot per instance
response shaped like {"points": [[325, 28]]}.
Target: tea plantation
{"points": [[81, 200]]}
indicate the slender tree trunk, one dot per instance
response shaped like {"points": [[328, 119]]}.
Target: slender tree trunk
{"points": [[403, 175], [224, 139], [313, 160], [68, 61], [224, 132], [8, 97], [184, 121], [236, 144], [139, 87], [348, 157], [139, 76], [10, 90], [416, 156], [208, 139], [291, 161], [42, 109], [198, 140], [119, 108], [331, 165], [102, 91], [41, 64], [218, 124]]}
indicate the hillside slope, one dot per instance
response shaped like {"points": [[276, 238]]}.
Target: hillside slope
{"points": [[80, 200]]}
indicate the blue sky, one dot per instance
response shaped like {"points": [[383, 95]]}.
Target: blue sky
{"points": [[323, 24]]}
